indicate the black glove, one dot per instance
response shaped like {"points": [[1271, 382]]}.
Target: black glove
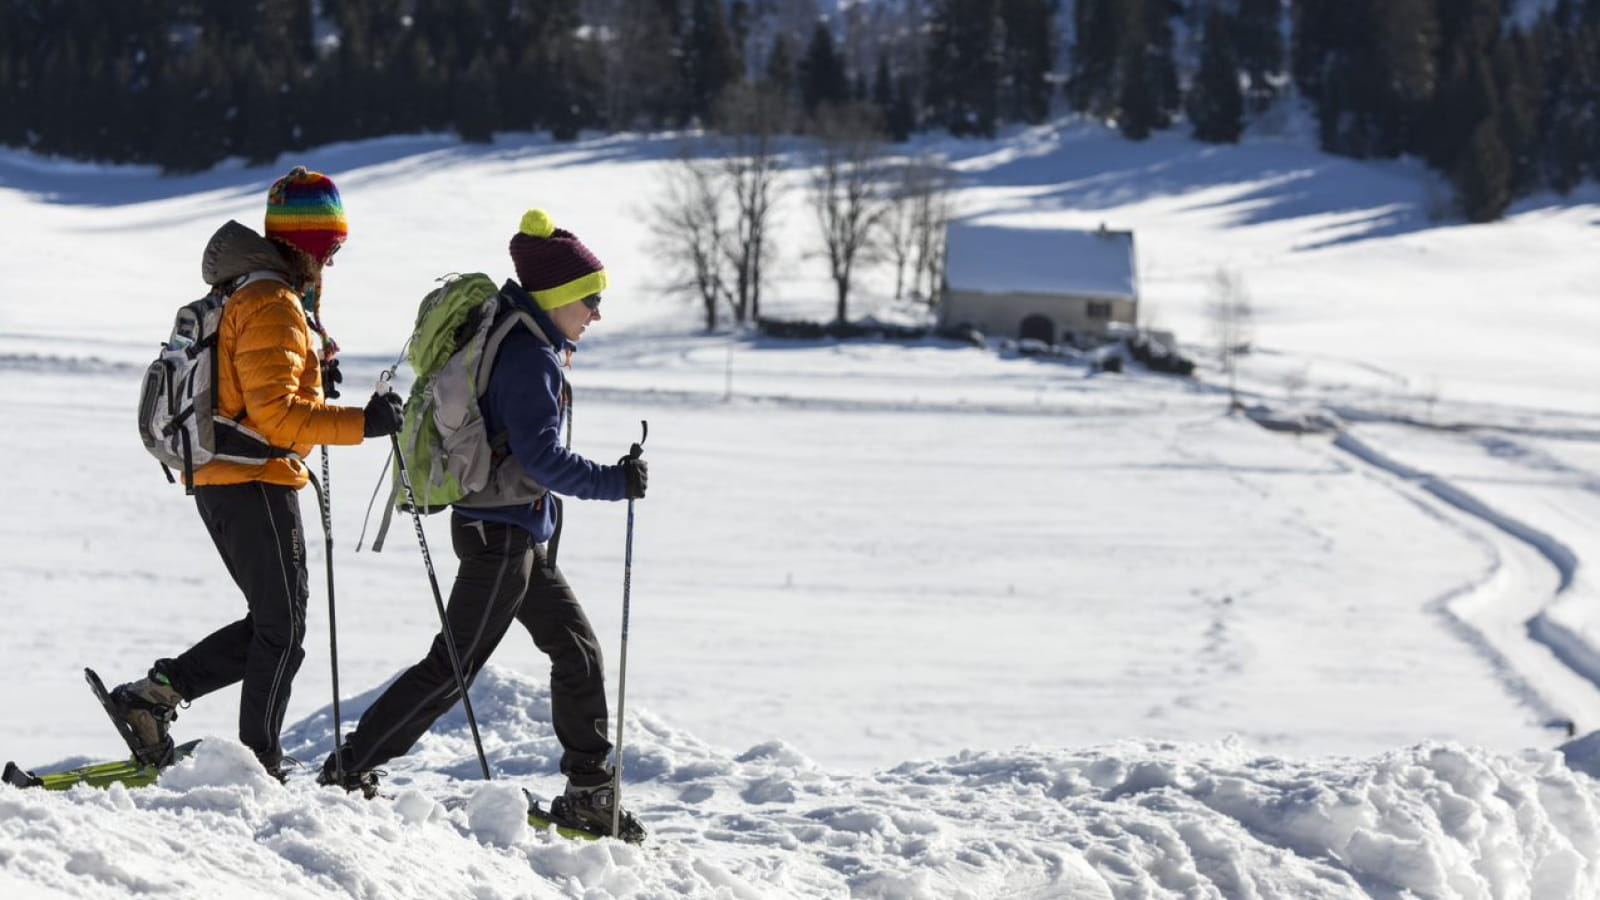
{"points": [[384, 413], [638, 474], [330, 379]]}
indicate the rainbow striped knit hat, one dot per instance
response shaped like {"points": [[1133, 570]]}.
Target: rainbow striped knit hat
{"points": [[303, 209], [554, 267]]}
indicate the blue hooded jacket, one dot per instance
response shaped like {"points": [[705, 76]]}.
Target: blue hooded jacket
{"points": [[524, 402]]}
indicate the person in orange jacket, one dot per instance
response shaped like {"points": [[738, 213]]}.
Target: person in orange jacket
{"points": [[272, 379]]}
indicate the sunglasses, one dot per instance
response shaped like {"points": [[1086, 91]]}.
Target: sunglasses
{"points": [[593, 302]]}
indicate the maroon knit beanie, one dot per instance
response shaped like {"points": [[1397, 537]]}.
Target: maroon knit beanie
{"points": [[554, 267]]}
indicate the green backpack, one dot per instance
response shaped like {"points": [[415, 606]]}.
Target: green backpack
{"points": [[451, 333], [444, 441]]}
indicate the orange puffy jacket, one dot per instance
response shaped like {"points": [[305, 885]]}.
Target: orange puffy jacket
{"points": [[268, 372]]}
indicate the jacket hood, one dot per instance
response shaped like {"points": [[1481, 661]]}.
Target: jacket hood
{"points": [[236, 250]]}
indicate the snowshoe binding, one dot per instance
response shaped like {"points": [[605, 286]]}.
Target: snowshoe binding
{"points": [[585, 812], [352, 780], [142, 712]]}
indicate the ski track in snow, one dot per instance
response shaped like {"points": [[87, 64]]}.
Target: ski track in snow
{"points": [[1467, 607], [1527, 610], [1506, 610]]}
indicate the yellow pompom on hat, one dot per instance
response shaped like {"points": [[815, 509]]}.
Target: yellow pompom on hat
{"points": [[553, 266]]}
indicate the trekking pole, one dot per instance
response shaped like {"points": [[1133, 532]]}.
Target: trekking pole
{"points": [[636, 451], [433, 582], [325, 500]]}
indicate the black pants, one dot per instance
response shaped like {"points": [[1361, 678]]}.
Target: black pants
{"points": [[257, 529], [503, 577]]}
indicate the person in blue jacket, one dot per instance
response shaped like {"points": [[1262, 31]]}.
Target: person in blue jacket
{"points": [[503, 536]]}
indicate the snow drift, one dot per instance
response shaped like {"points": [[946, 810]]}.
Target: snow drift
{"points": [[1128, 820]]}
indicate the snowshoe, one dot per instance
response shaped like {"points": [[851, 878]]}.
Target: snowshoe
{"points": [[142, 711], [584, 813], [127, 772]]}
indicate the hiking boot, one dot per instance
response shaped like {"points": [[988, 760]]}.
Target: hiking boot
{"points": [[148, 707], [590, 808], [352, 780], [279, 768]]}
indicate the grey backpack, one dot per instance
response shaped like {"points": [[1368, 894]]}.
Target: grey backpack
{"points": [[178, 419]]}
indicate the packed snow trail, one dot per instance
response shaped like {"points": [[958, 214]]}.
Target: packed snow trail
{"points": [[1132, 820], [1529, 610]]}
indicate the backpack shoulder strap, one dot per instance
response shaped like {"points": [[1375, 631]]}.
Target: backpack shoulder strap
{"points": [[505, 323]]}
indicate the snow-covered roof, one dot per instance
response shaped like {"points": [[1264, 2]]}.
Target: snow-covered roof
{"points": [[993, 259]]}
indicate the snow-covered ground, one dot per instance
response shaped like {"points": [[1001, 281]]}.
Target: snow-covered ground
{"points": [[908, 620]]}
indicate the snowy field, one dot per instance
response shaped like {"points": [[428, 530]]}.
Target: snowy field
{"points": [[908, 621]]}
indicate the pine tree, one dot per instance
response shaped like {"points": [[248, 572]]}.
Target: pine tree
{"points": [[1147, 79], [1560, 159], [1589, 51], [883, 94], [1258, 42], [68, 128], [1483, 176], [300, 29], [709, 59], [740, 17], [1475, 24], [474, 106], [1326, 35], [642, 83], [192, 142], [1137, 112], [1344, 55], [10, 83], [822, 76], [259, 133], [1091, 82], [1163, 66], [780, 73], [964, 66], [1576, 97], [1516, 71], [1028, 52], [901, 119], [1215, 103], [578, 66], [1405, 53]]}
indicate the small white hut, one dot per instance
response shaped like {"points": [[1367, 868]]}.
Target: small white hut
{"points": [[1051, 285]]}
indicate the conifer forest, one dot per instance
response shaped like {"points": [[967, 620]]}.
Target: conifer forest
{"points": [[1501, 97]]}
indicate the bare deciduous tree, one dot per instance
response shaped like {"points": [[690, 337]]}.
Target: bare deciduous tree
{"points": [[689, 222], [904, 197], [1230, 313], [844, 192], [898, 238], [919, 208], [933, 215], [751, 118]]}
